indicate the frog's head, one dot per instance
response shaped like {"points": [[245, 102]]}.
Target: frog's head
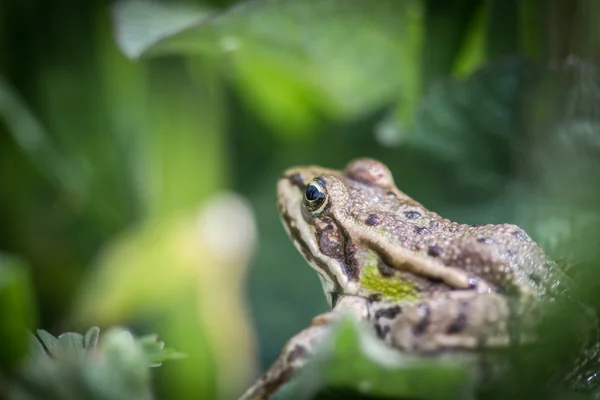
{"points": [[315, 206]]}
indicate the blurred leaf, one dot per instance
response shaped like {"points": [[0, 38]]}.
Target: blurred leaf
{"points": [[17, 312], [68, 345], [356, 361], [532, 15], [164, 258], [153, 349], [51, 343], [71, 344], [31, 136], [473, 50], [186, 149], [297, 60], [447, 25], [504, 28], [115, 369], [152, 257], [91, 338], [471, 124], [167, 257], [141, 24], [186, 272], [36, 348], [156, 352], [559, 184]]}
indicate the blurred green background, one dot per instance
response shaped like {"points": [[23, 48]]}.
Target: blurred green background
{"points": [[140, 143]]}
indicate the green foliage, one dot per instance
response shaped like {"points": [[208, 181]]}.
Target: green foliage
{"points": [[471, 123], [447, 27], [354, 359], [17, 311], [484, 111], [35, 141], [313, 69], [75, 366]]}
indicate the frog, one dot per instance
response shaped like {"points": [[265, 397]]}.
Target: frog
{"points": [[423, 283]]}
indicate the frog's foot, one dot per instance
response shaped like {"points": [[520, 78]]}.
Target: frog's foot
{"points": [[293, 356], [448, 320]]}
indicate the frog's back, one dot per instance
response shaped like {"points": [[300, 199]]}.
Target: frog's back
{"points": [[503, 254]]}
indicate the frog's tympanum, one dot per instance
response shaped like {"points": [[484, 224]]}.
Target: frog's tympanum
{"points": [[424, 283]]}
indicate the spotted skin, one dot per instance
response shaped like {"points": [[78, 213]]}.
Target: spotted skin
{"points": [[424, 284]]}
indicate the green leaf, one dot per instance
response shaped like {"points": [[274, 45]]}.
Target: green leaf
{"points": [[297, 61], [71, 344], [29, 133], [472, 53], [36, 349], [90, 341], [51, 343], [503, 27], [17, 311], [117, 368], [447, 28], [156, 352], [141, 24], [356, 361], [470, 124]]}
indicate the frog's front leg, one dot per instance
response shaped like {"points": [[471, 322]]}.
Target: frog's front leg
{"points": [[301, 347], [293, 356]]}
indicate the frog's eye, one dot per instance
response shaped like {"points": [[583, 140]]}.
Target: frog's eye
{"points": [[315, 196]]}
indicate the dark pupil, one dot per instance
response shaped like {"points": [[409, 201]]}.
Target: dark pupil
{"points": [[313, 193]]}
